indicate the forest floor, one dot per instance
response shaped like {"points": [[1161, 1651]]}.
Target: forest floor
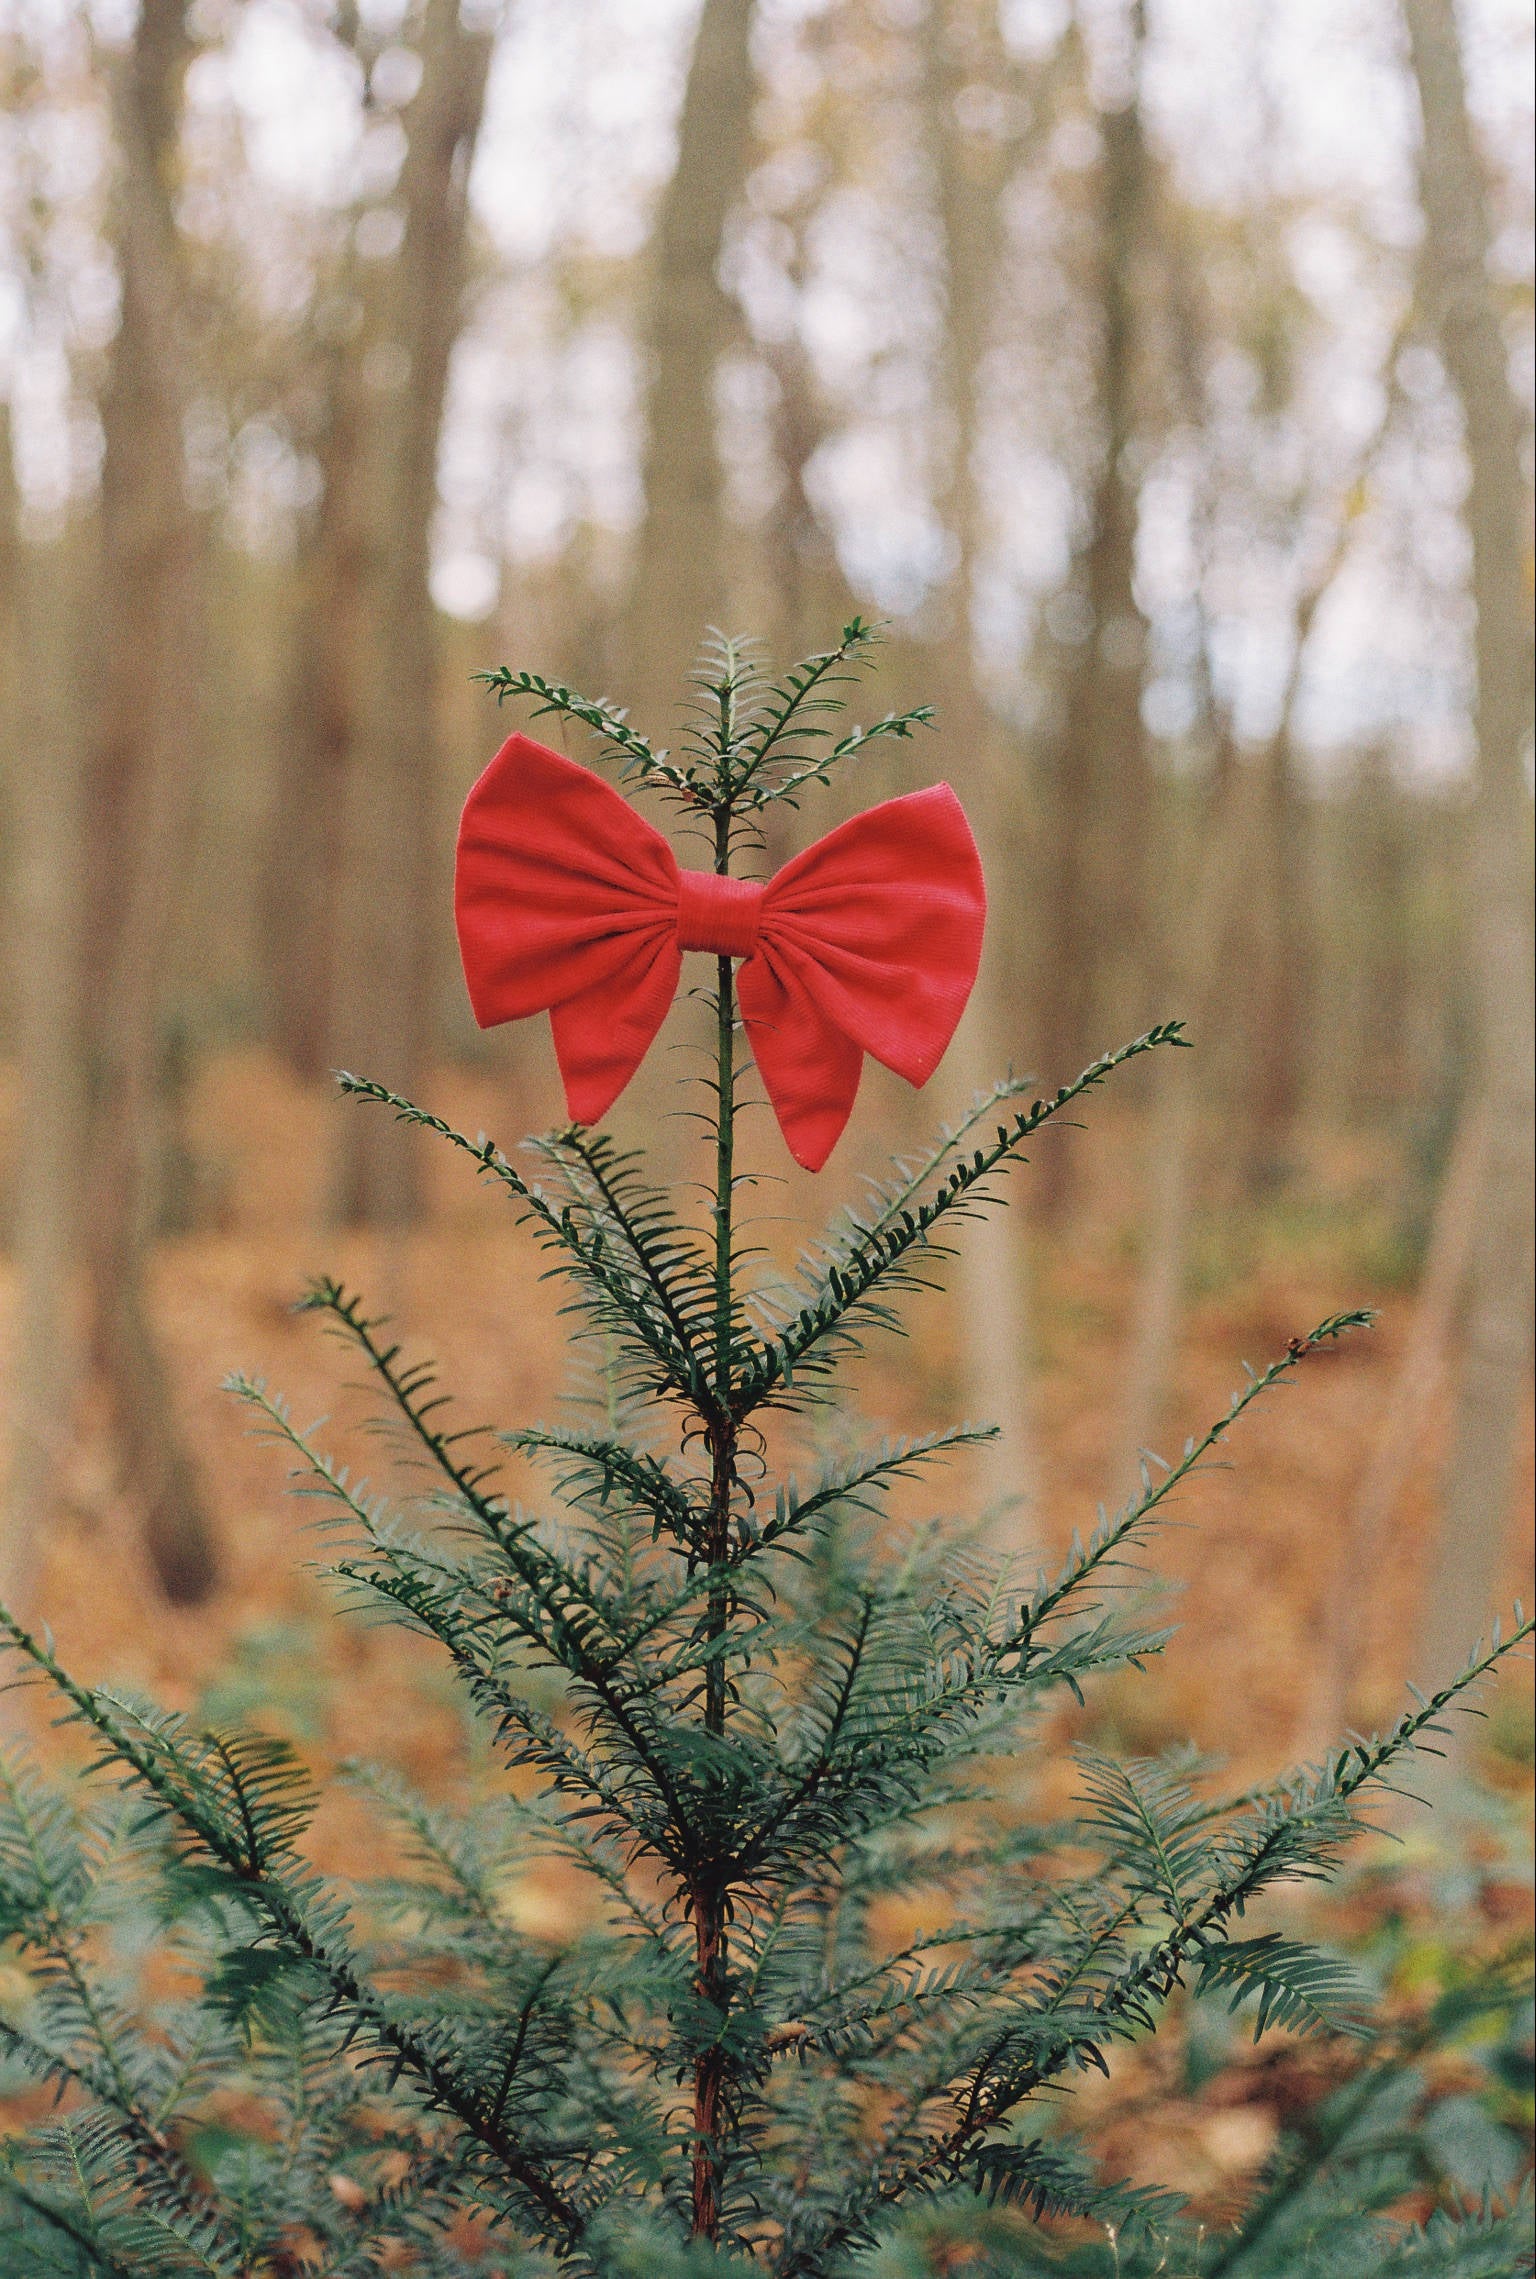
{"points": [[1257, 1547]]}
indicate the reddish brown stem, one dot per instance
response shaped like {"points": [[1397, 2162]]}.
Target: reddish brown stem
{"points": [[707, 1898], [709, 2067]]}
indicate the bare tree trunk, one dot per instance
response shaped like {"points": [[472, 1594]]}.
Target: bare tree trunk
{"points": [[1464, 1572], [1194, 922], [142, 789], [11, 613], [1198, 929], [679, 583], [962, 44], [1281, 877], [811, 599], [44, 900], [1204, 920], [1399, 1436], [385, 985], [1100, 804], [301, 886]]}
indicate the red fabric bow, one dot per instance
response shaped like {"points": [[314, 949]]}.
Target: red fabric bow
{"points": [[569, 902]]}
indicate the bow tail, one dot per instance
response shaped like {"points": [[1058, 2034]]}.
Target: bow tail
{"points": [[809, 1066], [602, 1034]]}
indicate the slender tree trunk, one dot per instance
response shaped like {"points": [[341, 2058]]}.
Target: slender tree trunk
{"points": [[1400, 1434], [1281, 878], [1194, 965], [1199, 927], [680, 578], [11, 615], [809, 598], [44, 901], [385, 985], [141, 791], [1194, 922], [301, 886], [1464, 1570], [993, 1290], [1099, 812]]}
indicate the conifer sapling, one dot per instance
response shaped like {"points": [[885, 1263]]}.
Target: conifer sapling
{"points": [[743, 1704]]}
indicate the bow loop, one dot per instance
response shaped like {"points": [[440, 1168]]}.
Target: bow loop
{"points": [[569, 902]]}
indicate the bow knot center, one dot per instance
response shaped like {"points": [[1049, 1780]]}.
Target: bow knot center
{"points": [[720, 915]]}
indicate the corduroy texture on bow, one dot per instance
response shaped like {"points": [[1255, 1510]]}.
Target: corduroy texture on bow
{"points": [[569, 902]]}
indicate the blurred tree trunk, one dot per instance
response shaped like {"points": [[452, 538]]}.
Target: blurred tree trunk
{"points": [[1239, 816], [1194, 968], [1099, 811], [390, 898], [810, 597], [301, 887], [11, 636], [1345, 1616], [1198, 930], [1281, 880], [34, 627], [963, 45], [1464, 1571], [679, 584], [1193, 919], [141, 787]]}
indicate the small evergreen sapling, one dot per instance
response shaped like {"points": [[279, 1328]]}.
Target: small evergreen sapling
{"points": [[768, 1713]]}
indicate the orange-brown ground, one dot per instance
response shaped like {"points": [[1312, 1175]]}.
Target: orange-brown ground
{"points": [[1257, 1547]]}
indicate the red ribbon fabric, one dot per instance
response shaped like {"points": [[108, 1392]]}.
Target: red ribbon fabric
{"points": [[569, 902]]}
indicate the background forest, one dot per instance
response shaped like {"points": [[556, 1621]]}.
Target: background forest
{"points": [[1160, 374]]}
